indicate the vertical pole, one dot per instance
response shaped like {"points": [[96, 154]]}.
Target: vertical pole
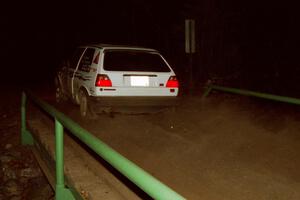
{"points": [[187, 36], [59, 154], [23, 114], [190, 49], [26, 137], [191, 79], [61, 192], [193, 49]]}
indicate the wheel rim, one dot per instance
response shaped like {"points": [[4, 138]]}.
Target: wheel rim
{"points": [[83, 104]]}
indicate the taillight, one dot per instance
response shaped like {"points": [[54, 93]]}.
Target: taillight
{"points": [[172, 82], [103, 81]]}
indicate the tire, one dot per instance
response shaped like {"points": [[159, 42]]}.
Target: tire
{"points": [[84, 107], [59, 95]]}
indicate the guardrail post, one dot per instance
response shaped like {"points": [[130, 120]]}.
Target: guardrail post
{"points": [[26, 137], [61, 192], [206, 91]]}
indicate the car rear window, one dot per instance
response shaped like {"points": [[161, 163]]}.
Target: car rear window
{"points": [[116, 60]]}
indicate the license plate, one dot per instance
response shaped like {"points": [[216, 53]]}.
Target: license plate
{"points": [[142, 81]]}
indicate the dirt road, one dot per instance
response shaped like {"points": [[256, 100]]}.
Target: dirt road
{"points": [[223, 147]]}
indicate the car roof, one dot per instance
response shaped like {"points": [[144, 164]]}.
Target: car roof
{"points": [[114, 46]]}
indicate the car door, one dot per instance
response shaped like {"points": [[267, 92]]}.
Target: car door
{"points": [[83, 75], [72, 69]]}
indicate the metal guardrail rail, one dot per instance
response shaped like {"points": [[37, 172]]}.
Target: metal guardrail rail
{"points": [[251, 93], [138, 176]]}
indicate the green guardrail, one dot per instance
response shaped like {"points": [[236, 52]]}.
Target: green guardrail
{"points": [[150, 185], [251, 93]]}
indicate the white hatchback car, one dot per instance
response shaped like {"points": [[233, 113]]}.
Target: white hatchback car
{"points": [[100, 77]]}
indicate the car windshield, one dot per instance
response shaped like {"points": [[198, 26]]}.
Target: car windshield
{"points": [[121, 60]]}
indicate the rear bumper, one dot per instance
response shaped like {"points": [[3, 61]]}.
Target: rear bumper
{"points": [[136, 101]]}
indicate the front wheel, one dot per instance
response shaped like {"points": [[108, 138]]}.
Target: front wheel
{"points": [[59, 95]]}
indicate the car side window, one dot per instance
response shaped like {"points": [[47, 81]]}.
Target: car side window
{"points": [[75, 58], [86, 60]]}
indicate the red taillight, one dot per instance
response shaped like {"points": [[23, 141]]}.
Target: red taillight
{"points": [[172, 82], [103, 81]]}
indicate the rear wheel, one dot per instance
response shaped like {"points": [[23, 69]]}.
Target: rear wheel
{"points": [[84, 107]]}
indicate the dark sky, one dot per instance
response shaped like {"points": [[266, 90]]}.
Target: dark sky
{"points": [[230, 34], [40, 34]]}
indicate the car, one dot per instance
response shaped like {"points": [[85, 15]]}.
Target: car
{"points": [[101, 77]]}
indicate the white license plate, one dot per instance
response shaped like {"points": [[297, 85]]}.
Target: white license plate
{"points": [[142, 81]]}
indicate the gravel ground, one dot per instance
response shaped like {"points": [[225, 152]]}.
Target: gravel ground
{"points": [[20, 175]]}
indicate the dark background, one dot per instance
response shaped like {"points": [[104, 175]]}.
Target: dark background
{"points": [[246, 44]]}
